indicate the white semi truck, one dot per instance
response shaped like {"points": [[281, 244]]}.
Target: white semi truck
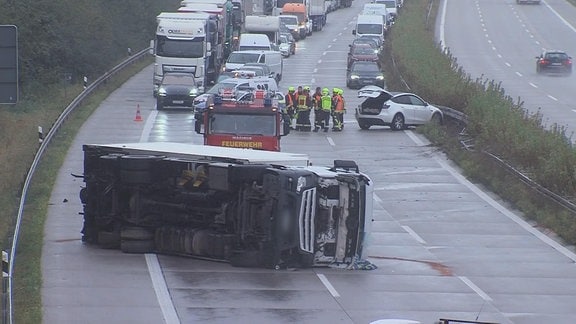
{"points": [[247, 207], [317, 12], [261, 24], [188, 42]]}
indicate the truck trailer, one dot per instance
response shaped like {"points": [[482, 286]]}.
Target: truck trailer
{"points": [[249, 208]]}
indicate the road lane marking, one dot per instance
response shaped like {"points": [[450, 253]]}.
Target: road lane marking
{"points": [[508, 64], [518, 74], [496, 205], [161, 289], [330, 141], [553, 98], [475, 288], [413, 234], [533, 85], [328, 285], [148, 126]]}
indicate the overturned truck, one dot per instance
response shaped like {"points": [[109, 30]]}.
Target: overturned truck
{"points": [[249, 208]]}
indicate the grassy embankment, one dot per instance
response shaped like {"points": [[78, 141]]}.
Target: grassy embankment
{"points": [[59, 42], [497, 123]]}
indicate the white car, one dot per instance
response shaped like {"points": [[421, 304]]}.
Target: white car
{"points": [[399, 110]]}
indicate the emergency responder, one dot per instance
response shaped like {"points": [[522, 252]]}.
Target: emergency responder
{"points": [[338, 110], [325, 109], [317, 105], [290, 100], [304, 104]]}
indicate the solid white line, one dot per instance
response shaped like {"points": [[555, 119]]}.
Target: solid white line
{"points": [[527, 227], [161, 289], [413, 234], [328, 285], [148, 126], [475, 288]]}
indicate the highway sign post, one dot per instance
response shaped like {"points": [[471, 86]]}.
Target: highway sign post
{"points": [[8, 64]]}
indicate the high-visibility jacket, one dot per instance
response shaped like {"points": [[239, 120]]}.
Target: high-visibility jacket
{"points": [[316, 100], [338, 104], [326, 103], [303, 102], [289, 99]]}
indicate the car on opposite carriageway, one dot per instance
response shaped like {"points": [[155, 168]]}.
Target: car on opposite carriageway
{"points": [[554, 61]]}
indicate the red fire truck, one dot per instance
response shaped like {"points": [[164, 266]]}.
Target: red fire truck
{"points": [[253, 122]]}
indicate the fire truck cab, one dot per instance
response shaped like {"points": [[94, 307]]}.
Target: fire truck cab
{"points": [[250, 120]]}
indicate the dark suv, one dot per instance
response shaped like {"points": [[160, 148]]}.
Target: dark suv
{"points": [[554, 61]]}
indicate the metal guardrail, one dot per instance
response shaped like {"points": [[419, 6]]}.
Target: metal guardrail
{"points": [[53, 130], [559, 199]]}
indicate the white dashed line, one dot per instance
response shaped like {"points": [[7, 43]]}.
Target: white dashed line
{"points": [[533, 85], [330, 141], [518, 74], [508, 64], [475, 288], [414, 235], [553, 98], [328, 285], [315, 70]]}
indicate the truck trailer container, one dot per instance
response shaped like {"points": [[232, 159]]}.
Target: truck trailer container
{"points": [[249, 208]]}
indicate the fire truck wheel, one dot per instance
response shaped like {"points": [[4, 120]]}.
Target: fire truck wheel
{"points": [[138, 162], [108, 240], [136, 246], [136, 233]]}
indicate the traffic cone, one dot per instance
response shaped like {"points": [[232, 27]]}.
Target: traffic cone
{"points": [[138, 117]]}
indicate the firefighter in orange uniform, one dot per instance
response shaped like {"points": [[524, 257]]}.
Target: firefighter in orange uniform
{"points": [[317, 105], [290, 100], [338, 109]]}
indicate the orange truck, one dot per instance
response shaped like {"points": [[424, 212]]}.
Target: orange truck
{"points": [[301, 11]]}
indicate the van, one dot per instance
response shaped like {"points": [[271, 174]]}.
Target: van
{"points": [[290, 23], [272, 59], [378, 9], [372, 26], [391, 6], [259, 42]]}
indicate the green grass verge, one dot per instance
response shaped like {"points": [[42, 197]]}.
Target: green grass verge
{"points": [[28, 273]]}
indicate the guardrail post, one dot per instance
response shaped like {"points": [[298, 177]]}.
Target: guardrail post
{"points": [[4, 285]]}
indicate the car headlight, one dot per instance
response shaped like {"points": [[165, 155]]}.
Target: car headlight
{"points": [[354, 77], [380, 77], [193, 92], [162, 92]]}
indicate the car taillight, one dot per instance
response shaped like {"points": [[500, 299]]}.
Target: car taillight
{"points": [[568, 62], [543, 61]]}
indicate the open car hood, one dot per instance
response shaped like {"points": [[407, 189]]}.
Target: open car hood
{"points": [[372, 91]]}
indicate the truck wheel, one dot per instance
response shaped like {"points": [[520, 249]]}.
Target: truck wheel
{"points": [[135, 246], [108, 240], [136, 233]]}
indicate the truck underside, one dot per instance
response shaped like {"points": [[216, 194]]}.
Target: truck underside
{"points": [[253, 215]]}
